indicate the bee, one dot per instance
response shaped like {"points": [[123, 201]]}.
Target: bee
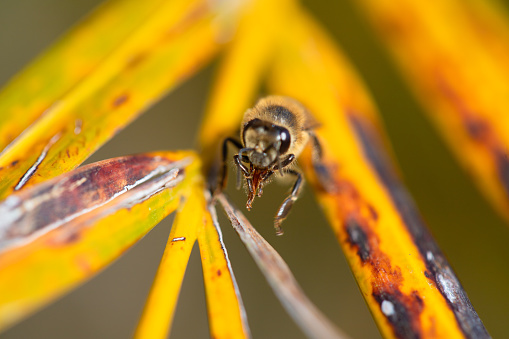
{"points": [[273, 134]]}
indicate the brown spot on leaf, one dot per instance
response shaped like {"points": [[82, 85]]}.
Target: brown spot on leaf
{"points": [[401, 310], [436, 266], [136, 60], [418, 300], [88, 187], [65, 237], [477, 129], [373, 212], [187, 21], [358, 238], [218, 273], [83, 263], [120, 100]]}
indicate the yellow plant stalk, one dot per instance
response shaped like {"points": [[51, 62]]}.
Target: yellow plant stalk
{"points": [[226, 312], [455, 55], [160, 306], [40, 269], [227, 317], [405, 279], [165, 49]]}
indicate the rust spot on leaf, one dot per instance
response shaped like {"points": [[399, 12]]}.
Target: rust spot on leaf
{"points": [[193, 16], [401, 311], [373, 212], [83, 263], [136, 60], [417, 299], [65, 237], [438, 270], [218, 273], [479, 130], [82, 190], [358, 238], [120, 100]]}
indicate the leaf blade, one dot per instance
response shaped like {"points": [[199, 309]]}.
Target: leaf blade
{"points": [[31, 92], [227, 315], [392, 255], [154, 59], [37, 271], [157, 316], [471, 118]]}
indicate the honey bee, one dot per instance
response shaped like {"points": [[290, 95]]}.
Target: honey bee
{"points": [[273, 134]]}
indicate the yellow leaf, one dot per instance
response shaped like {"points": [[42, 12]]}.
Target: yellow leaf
{"points": [[60, 245], [160, 305], [160, 53], [399, 268], [76, 55], [455, 55], [227, 316]]}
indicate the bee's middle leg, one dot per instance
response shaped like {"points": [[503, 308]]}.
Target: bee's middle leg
{"points": [[322, 172]]}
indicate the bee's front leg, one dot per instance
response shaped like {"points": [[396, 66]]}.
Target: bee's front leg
{"points": [[240, 168], [224, 173], [287, 204]]}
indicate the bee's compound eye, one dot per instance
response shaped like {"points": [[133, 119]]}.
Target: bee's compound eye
{"points": [[284, 137]]}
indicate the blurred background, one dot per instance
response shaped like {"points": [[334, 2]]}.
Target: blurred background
{"points": [[473, 237]]}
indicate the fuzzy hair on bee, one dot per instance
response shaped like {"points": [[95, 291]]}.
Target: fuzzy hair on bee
{"points": [[272, 135], [280, 111]]}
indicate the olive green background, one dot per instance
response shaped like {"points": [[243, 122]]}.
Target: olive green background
{"points": [[472, 236]]}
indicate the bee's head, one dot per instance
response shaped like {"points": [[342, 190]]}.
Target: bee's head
{"points": [[265, 142]]}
